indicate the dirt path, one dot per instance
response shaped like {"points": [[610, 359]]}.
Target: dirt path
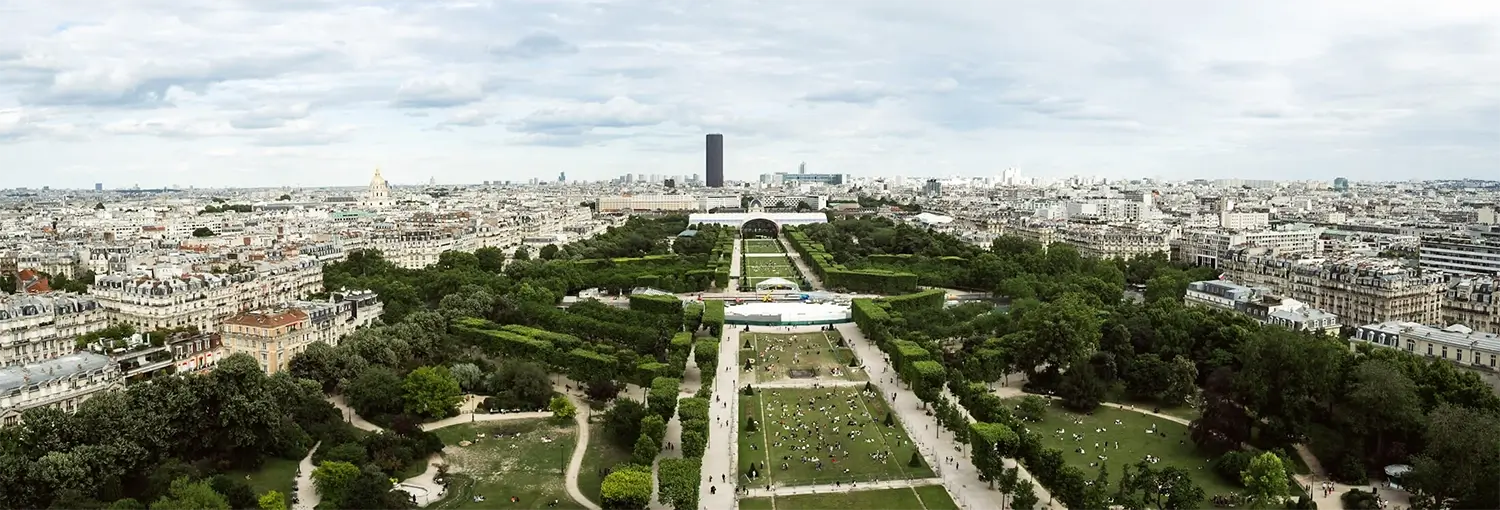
{"points": [[307, 495]]}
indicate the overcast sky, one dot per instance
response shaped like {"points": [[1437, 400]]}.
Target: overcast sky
{"points": [[313, 93]]}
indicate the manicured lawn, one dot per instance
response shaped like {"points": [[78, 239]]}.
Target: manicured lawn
{"points": [[1129, 442], [601, 455], [930, 497], [502, 464], [275, 474], [759, 268], [790, 429], [817, 352], [761, 246]]}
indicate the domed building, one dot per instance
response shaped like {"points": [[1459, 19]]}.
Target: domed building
{"points": [[379, 194]]}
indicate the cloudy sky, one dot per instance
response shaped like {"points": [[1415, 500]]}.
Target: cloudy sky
{"points": [[315, 92]]}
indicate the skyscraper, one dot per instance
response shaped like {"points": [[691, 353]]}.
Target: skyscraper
{"points": [[562, 177], [714, 173]]}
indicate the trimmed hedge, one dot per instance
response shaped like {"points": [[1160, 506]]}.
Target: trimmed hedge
{"points": [[658, 304], [706, 353], [628, 488], [678, 482], [713, 317], [662, 398], [930, 299]]}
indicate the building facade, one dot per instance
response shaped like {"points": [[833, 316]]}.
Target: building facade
{"points": [[35, 328], [1456, 343], [63, 382], [1358, 290], [1476, 254], [167, 299], [1261, 306]]}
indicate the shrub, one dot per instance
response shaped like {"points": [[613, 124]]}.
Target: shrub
{"points": [[627, 489], [1357, 499]]}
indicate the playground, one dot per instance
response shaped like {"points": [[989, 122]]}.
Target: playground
{"points": [[813, 436], [773, 357]]}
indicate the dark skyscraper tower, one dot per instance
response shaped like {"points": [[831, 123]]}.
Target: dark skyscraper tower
{"points": [[714, 172]]}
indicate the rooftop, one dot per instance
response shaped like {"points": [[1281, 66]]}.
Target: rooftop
{"points": [[13, 378], [267, 318], [1456, 335]]}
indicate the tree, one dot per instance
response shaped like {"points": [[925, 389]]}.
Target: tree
{"points": [[333, 479], [375, 391], [1182, 377], [284, 197], [272, 500], [1055, 333], [521, 385], [371, 489], [562, 407], [654, 427], [188, 495], [431, 392], [1024, 497], [235, 491], [1458, 468], [202, 232], [468, 375], [549, 252], [522, 253], [1382, 400], [1265, 480], [1168, 489], [916, 460], [645, 450], [602, 388], [622, 422], [1032, 408], [626, 489]]}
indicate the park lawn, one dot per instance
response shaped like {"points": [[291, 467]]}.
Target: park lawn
{"points": [[276, 474], [600, 455], [818, 352], [1176, 449], [868, 414], [761, 246], [768, 267], [497, 468], [929, 497]]}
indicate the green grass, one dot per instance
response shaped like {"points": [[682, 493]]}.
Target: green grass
{"points": [[816, 351], [274, 475], [755, 269], [601, 455], [1175, 450], [761, 246], [929, 497], [500, 467], [868, 414]]}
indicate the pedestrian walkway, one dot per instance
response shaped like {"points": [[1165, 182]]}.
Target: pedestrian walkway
{"points": [[307, 497], [812, 278], [719, 460], [846, 487], [959, 477], [1399, 499]]}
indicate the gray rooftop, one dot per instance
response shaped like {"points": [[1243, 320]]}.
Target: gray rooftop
{"points": [[1455, 335], [53, 369]]}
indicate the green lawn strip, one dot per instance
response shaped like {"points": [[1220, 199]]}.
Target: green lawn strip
{"points": [[868, 415], [884, 499], [817, 352], [600, 455], [502, 465], [274, 475], [755, 246], [1176, 449], [936, 497]]}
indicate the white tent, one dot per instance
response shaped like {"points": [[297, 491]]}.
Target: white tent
{"points": [[776, 284]]}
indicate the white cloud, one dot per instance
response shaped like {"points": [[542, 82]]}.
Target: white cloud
{"points": [[305, 90]]}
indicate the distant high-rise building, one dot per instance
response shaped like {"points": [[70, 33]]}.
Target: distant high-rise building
{"points": [[802, 168], [933, 188], [98, 186], [714, 172], [562, 177], [1341, 184]]}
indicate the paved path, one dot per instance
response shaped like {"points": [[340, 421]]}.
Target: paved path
{"points": [[719, 460], [830, 488], [734, 266], [812, 278], [424, 487], [960, 478], [480, 417], [307, 495], [1398, 499], [575, 464]]}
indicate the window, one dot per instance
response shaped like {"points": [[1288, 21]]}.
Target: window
{"points": [[1459, 355], [1429, 349]]}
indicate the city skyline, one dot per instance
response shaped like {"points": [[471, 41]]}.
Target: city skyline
{"points": [[269, 94]]}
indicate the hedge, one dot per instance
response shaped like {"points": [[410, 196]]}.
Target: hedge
{"points": [[713, 316], [657, 304], [583, 365], [662, 399], [627, 488], [678, 482], [706, 353], [682, 341], [925, 300]]}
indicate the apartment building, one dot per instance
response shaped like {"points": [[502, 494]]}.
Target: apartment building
{"points": [[1475, 253], [1358, 290], [273, 336], [1471, 302], [1109, 243], [167, 298], [1203, 247], [38, 327], [648, 203], [1456, 343], [1261, 306], [63, 382]]}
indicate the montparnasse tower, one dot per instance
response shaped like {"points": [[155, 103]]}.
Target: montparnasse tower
{"points": [[379, 194]]}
